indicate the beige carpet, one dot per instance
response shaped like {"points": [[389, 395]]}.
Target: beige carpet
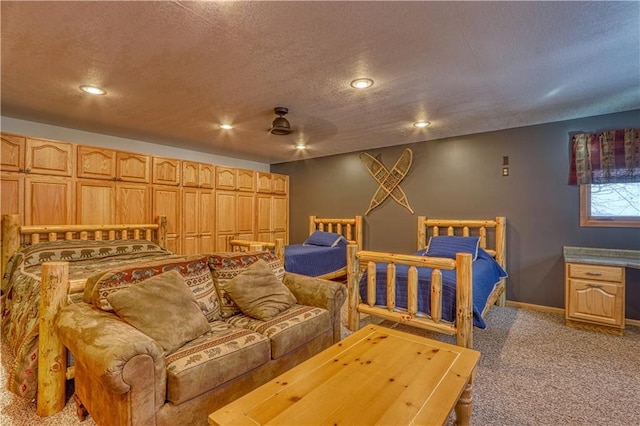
{"points": [[533, 371]]}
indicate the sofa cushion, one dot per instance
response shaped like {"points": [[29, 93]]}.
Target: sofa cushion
{"points": [[195, 271], [259, 293], [226, 266], [223, 353], [163, 308], [291, 329]]}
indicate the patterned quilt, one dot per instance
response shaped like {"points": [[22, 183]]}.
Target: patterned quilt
{"points": [[21, 293]]}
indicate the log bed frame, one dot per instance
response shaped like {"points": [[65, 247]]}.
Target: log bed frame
{"points": [[359, 261], [55, 287], [349, 228]]}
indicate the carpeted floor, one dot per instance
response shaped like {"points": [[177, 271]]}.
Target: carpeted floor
{"points": [[533, 371]]}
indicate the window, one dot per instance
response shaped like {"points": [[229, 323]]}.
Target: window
{"points": [[611, 204]]}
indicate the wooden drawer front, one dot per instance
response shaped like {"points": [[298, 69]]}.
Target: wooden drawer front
{"points": [[596, 272]]}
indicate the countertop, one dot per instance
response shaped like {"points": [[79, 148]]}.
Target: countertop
{"points": [[599, 256]]}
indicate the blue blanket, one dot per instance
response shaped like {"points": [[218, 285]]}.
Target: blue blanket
{"points": [[313, 260], [486, 275]]}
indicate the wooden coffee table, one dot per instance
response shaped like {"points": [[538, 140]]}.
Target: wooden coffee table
{"points": [[375, 376]]}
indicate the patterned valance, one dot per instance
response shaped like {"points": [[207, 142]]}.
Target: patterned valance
{"points": [[607, 157]]}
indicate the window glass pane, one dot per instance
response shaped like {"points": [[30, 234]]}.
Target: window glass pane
{"points": [[615, 200]]}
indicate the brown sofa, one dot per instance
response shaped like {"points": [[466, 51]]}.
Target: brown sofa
{"points": [[125, 377]]}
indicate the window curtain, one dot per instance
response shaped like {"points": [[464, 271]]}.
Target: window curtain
{"points": [[607, 157]]}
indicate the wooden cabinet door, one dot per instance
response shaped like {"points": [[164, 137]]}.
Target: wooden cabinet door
{"points": [[12, 153], [190, 174], [132, 167], [133, 203], [205, 220], [49, 200], [598, 302], [206, 175], [49, 158], [272, 217], [263, 218], [263, 182], [95, 202], [225, 218], [280, 184], [190, 228], [226, 178], [280, 218], [96, 163], [245, 216], [246, 180], [167, 202], [166, 171], [12, 194]]}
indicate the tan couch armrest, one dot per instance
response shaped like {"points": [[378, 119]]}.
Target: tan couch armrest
{"points": [[321, 293], [104, 344]]}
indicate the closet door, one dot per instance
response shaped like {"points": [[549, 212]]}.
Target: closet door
{"points": [[49, 200], [96, 202], [167, 202]]}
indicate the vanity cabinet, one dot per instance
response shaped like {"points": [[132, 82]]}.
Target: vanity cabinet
{"points": [[594, 296]]}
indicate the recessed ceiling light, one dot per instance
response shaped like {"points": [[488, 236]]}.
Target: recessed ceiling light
{"points": [[94, 90], [226, 126], [421, 124], [362, 83], [301, 145]]}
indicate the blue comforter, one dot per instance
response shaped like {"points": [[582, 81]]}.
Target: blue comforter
{"points": [[313, 260], [486, 275]]}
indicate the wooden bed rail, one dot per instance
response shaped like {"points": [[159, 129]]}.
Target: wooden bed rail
{"points": [[351, 229], [247, 245], [463, 327]]}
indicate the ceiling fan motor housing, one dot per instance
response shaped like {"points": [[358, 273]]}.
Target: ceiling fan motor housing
{"points": [[280, 125]]}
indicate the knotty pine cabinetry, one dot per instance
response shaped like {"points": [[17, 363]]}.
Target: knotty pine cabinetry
{"points": [[272, 207], [198, 206], [52, 182], [595, 296], [113, 187], [36, 180], [235, 206]]}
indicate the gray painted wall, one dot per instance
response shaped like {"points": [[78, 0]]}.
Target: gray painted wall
{"points": [[461, 178]]}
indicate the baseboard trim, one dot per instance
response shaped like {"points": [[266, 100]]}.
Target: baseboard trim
{"points": [[535, 307], [627, 321]]}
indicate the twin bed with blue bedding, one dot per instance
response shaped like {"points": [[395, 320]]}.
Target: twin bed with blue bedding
{"points": [[447, 286], [323, 254]]}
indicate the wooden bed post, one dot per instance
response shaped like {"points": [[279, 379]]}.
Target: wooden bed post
{"points": [[162, 231], [501, 253], [358, 236], [10, 238], [464, 301], [352, 288], [422, 232], [312, 224], [52, 355], [279, 250]]}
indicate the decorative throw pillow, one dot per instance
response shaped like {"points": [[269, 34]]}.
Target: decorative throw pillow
{"points": [[194, 270], [323, 239], [448, 246], [259, 293], [226, 266], [162, 307]]}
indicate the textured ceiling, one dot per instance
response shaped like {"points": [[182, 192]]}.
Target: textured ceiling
{"points": [[175, 70]]}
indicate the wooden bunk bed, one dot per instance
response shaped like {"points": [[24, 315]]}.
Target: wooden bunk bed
{"points": [[58, 284], [349, 228], [462, 266]]}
